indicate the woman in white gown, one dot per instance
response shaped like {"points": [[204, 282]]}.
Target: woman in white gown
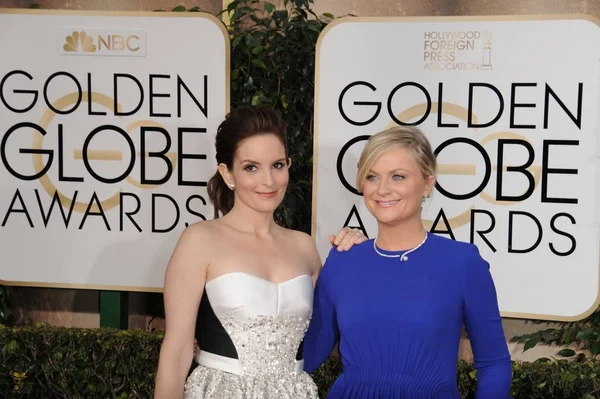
{"points": [[241, 284]]}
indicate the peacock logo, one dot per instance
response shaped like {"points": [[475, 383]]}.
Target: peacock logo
{"points": [[79, 42]]}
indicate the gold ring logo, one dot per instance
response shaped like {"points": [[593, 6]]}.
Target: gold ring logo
{"points": [[461, 113], [97, 155]]}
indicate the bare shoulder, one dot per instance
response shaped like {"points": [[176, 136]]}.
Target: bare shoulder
{"points": [[203, 233], [305, 244], [301, 240], [202, 228], [194, 245]]}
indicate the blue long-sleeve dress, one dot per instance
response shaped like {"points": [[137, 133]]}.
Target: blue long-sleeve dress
{"points": [[399, 324]]}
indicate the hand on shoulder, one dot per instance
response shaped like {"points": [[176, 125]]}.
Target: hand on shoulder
{"points": [[346, 238]]}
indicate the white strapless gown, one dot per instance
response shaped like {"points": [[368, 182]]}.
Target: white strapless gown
{"points": [[264, 323]]}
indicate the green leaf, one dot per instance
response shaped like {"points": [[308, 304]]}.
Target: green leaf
{"points": [[236, 41], [252, 41], [595, 348], [566, 353], [195, 9], [269, 7], [530, 344], [256, 99], [259, 63], [328, 15], [12, 346], [179, 9], [543, 384], [231, 6], [586, 333], [236, 15]]}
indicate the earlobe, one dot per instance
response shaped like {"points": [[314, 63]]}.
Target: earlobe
{"points": [[289, 162]]}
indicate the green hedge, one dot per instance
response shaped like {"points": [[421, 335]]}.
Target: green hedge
{"points": [[56, 362]]}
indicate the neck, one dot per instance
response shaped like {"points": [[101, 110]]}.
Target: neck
{"points": [[400, 237], [249, 220]]}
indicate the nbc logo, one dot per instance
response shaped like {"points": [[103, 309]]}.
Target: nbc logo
{"points": [[79, 41], [102, 42]]}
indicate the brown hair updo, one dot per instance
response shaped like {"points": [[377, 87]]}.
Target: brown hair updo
{"points": [[240, 124]]}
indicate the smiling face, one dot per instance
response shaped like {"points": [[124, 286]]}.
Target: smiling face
{"points": [[260, 172], [394, 187]]}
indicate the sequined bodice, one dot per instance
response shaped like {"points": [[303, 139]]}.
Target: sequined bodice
{"points": [[265, 321]]}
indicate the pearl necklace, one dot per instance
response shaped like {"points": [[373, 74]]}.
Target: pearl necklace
{"points": [[403, 257]]}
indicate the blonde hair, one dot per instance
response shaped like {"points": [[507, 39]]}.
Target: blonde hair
{"points": [[390, 139]]}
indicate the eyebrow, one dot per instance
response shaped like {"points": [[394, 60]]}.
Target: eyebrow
{"points": [[251, 161], [392, 171]]}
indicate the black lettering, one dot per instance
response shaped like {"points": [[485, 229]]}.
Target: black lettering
{"points": [[511, 215], [140, 88], [192, 211], [61, 154], [514, 104], [486, 160], [427, 99], [86, 160], [7, 165], [94, 211], [167, 197], [18, 91], [440, 123], [341, 106], [448, 231], [181, 156], [155, 154], [56, 201], [90, 99], [129, 214], [470, 106], [562, 233], [482, 233], [154, 95], [521, 169], [360, 226], [23, 209], [203, 108], [546, 171], [79, 93], [340, 160], [576, 119]]}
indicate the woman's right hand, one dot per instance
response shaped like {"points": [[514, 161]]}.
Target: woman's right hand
{"points": [[346, 238]]}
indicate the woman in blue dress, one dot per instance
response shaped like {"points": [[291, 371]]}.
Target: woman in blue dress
{"points": [[396, 304]]}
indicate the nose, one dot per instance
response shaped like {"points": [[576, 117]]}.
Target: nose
{"points": [[268, 178], [383, 188]]}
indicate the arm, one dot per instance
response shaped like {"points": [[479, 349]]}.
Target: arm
{"points": [[323, 333], [184, 284], [484, 328]]}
